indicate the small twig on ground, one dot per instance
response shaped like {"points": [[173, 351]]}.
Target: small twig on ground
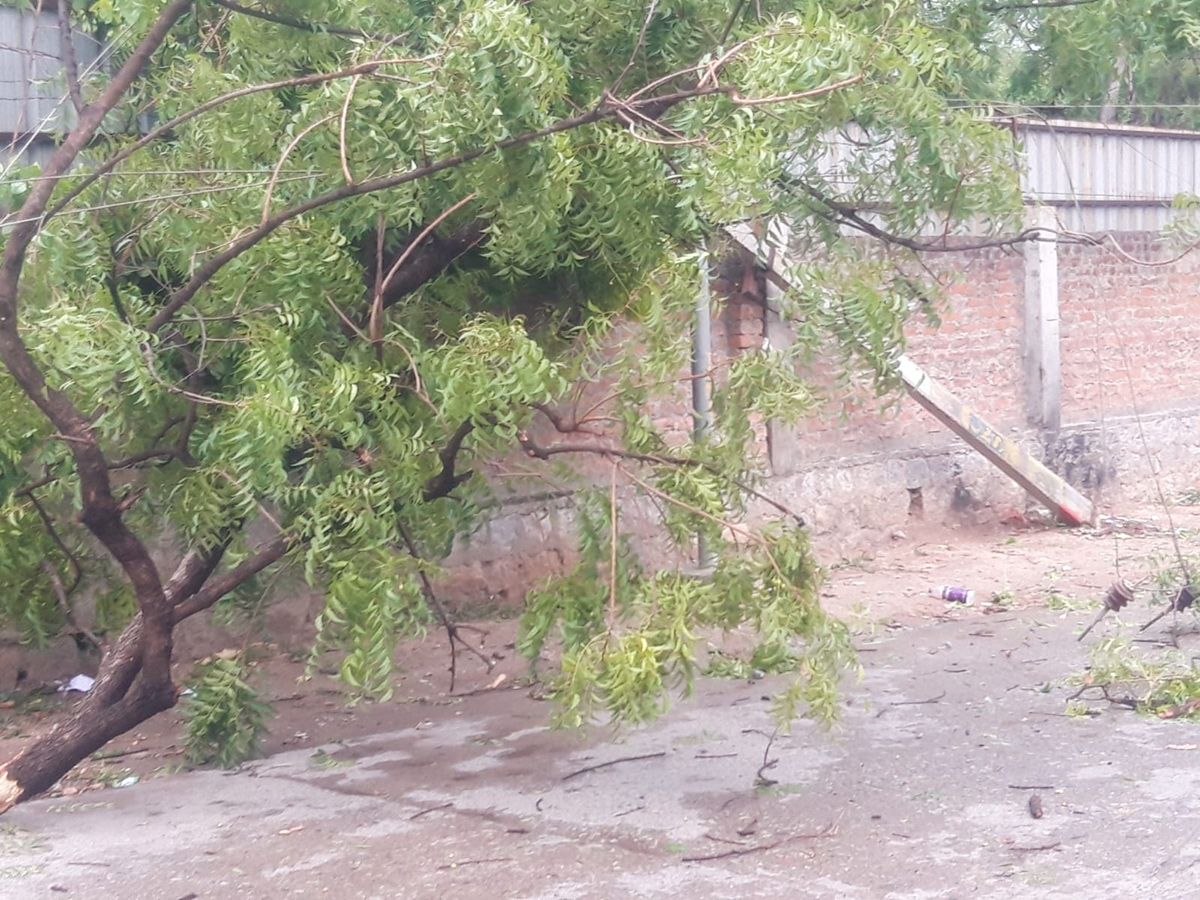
{"points": [[749, 828], [1036, 849], [1127, 702], [721, 840], [474, 862], [918, 702], [761, 780], [613, 762], [757, 848], [1031, 787], [486, 689], [714, 756], [426, 812], [1079, 693], [910, 703], [105, 755]]}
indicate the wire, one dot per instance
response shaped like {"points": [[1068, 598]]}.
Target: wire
{"points": [[1041, 107], [194, 192], [137, 173], [107, 50]]}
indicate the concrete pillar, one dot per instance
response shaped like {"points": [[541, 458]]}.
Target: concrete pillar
{"points": [[1043, 368], [783, 446]]}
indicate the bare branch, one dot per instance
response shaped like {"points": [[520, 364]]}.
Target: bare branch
{"points": [[836, 212], [64, 606], [432, 258], [221, 585], [439, 609], [737, 98], [375, 328], [48, 523], [67, 42], [191, 573], [301, 25], [641, 39], [445, 481], [283, 157]]}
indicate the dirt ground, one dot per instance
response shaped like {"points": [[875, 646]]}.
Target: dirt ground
{"points": [[922, 790]]}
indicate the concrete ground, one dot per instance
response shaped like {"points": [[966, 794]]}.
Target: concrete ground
{"points": [[922, 791]]}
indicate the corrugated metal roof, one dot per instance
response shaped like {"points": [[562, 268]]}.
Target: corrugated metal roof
{"points": [[32, 85], [1108, 177]]}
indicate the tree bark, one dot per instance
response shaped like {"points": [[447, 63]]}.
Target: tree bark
{"points": [[124, 695], [45, 761], [1108, 112]]}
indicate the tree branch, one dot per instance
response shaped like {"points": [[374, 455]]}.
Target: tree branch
{"points": [[432, 258], [64, 605], [839, 212], [435, 603], [301, 25], [192, 571], [218, 587], [539, 451], [66, 42], [101, 513], [375, 326], [604, 110], [58, 541], [155, 133], [445, 481], [1045, 4]]}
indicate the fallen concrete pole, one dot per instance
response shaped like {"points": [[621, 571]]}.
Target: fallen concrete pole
{"points": [[1006, 454]]}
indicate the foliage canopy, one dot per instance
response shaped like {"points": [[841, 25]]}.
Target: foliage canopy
{"points": [[358, 247]]}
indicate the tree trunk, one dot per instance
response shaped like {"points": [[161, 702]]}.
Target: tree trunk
{"points": [[126, 693], [41, 764], [1108, 112]]}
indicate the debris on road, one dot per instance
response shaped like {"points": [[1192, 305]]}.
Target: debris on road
{"points": [[1035, 806], [952, 594], [79, 683], [1119, 595]]}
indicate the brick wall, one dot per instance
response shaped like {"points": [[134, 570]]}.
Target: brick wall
{"points": [[857, 465], [1125, 323]]}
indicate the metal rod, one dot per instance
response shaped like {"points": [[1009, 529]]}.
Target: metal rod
{"points": [[701, 377], [1095, 622]]}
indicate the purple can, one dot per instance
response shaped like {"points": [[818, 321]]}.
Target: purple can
{"points": [[952, 594]]}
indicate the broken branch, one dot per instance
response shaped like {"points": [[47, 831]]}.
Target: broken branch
{"points": [[613, 762], [828, 831]]}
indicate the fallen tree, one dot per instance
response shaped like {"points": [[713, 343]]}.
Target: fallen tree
{"points": [[354, 250]]}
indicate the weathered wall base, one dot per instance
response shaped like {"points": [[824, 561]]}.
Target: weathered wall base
{"points": [[855, 502]]}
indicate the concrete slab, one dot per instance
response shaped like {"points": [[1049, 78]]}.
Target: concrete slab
{"points": [[920, 792]]}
